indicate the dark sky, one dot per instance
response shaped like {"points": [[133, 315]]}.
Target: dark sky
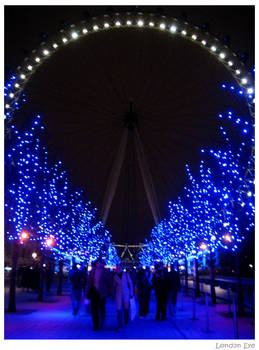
{"points": [[84, 90]]}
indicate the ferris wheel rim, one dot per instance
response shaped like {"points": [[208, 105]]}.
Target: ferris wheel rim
{"points": [[171, 25]]}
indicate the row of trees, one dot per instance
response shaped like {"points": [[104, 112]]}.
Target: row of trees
{"points": [[42, 207], [215, 211], [217, 207]]}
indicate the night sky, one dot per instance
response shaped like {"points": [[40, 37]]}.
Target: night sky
{"points": [[83, 92]]}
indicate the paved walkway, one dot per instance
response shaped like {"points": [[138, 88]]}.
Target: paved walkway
{"points": [[222, 293], [52, 319]]}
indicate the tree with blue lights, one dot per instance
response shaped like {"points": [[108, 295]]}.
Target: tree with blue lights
{"points": [[58, 213], [99, 241], [216, 217], [158, 247], [40, 206], [171, 239], [215, 222], [182, 224], [56, 223], [237, 201], [207, 203], [24, 176], [90, 238], [182, 227], [24, 171], [112, 258], [80, 225]]}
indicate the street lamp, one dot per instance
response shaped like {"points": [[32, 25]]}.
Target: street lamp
{"points": [[23, 237], [203, 246], [228, 238], [50, 241]]}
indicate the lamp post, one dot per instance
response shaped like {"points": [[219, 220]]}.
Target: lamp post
{"points": [[212, 279], [204, 247], [12, 288], [186, 273], [60, 277], [240, 296], [41, 278], [50, 242], [197, 277]]}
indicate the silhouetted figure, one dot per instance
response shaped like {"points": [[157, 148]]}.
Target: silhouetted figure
{"points": [[85, 277], [143, 288], [133, 276], [123, 292], [98, 289], [75, 278], [161, 285], [174, 288]]}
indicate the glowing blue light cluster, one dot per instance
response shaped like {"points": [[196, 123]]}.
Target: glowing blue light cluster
{"points": [[25, 169], [11, 91], [246, 127], [235, 172], [112, 256], [218, 207], [248, 93], [40, 202]]}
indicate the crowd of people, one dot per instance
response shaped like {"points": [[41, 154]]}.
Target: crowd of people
{"points": [[124, 286]]}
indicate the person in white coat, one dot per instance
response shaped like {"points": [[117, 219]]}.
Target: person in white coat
{"points": [[123, 288]]}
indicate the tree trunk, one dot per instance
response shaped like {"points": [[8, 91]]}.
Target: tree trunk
{"points": [[41, 280], [12, 287], [212, 280], [176, 266], [240, 296], [60, 278], [197, 278], [186, 274]]}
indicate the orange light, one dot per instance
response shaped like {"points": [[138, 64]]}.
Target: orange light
{"points": [[228, 238], [50, 242], [24, 235], [203, 246]]}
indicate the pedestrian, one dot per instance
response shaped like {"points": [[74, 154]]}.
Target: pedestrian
{"points": [[98, 288], [85, 276], [143, 291], [123, 287], [76, 280], [160, 283], [133, 276], [174, 288]]}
